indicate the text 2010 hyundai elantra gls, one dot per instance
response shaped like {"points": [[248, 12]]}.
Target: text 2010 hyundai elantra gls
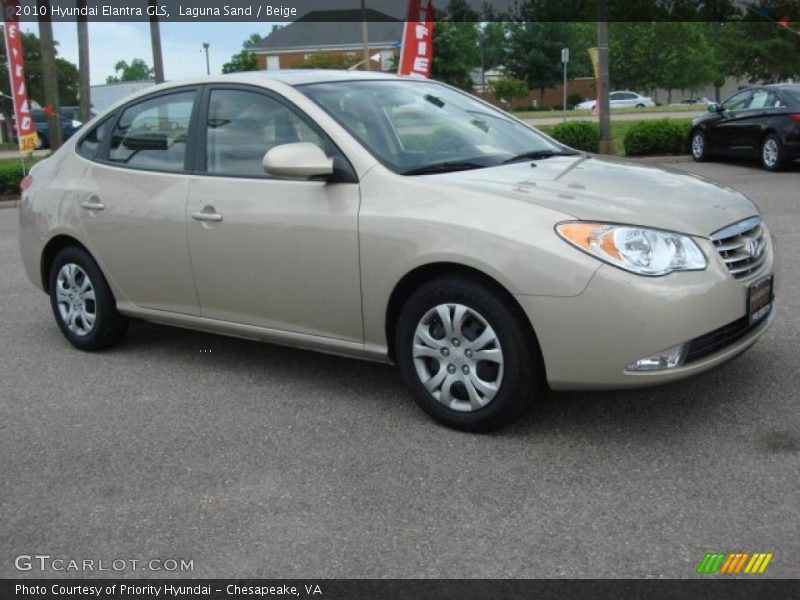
{"points": [[394, 220]]}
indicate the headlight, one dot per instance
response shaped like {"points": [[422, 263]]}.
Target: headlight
{"points": [[636, 249]]}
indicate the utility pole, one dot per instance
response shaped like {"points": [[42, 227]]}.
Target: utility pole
{"points": [[606, 146], [85, 90], [365, 36], [155, 40], [208, 64], [49, 76], [565, 61]]}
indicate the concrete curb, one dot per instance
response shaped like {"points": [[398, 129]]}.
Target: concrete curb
{"points": [[9, 204]]}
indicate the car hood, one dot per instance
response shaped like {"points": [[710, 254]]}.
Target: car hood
{"points": [[590, 188]]}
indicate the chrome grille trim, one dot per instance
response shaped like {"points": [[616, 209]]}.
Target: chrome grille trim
{"points": [[742, 246]]}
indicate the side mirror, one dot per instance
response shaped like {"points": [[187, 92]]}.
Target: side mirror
{"points": [[714, 107], [302, 160]]}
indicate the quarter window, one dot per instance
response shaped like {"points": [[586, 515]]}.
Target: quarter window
{"points": [[88, 146], [243, 126], [153, 134]]}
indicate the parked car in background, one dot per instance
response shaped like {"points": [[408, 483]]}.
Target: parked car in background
{"points": [[622, 99], [699, 100], [397, 220], [758, 122], [73, 113], [68, 127]]}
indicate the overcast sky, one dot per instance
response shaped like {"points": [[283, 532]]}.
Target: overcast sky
{"points": [[181, 45]]}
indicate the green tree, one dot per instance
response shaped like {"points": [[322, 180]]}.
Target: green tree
{"points": [[509, 90], [534, 52], [68, 76], [244, 60], [759, 51], [455, 45], [137, 70]]}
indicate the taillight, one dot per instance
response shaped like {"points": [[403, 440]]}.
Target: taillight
{"points": [[25, 184], [795, 117]]}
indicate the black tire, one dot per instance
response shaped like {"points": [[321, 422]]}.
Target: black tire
{"points": [[775, 159], [640, 106], [518, 383], [108, 326], [698, 146]]}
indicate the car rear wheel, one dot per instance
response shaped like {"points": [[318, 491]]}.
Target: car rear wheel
{"points": [[699, 146], [82, 302], [42, 143], [640, 106], [465, 354], [773, 155]]}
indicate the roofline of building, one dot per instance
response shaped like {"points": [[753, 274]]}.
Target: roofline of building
{"points": [[332, 47]]}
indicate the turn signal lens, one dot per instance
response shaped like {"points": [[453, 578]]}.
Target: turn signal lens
{"points": [[639, 250]]}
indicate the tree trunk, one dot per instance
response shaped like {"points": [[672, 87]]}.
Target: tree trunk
{"points": [[49, 76], [85, 90]]}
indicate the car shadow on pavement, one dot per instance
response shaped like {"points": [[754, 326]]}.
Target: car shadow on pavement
{"points": [[730, 389]]}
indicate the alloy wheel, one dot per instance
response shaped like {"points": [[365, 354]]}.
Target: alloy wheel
{"points": [[698, 145], [458, 357], [75, 298], [770, 153]]}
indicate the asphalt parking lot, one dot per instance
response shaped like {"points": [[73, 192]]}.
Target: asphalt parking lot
{"points": [[253, 460]]}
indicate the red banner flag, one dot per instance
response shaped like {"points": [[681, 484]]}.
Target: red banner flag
{"points": [[416, 54], [26, 129]]}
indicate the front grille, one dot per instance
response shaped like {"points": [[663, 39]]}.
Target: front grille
{"points": [[708, 344], [742, 246]]}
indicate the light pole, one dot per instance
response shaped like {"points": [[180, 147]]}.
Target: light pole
{"points": [[365, 35], [606, 146], [206, 46]]}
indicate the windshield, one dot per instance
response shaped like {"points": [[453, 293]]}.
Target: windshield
{"points": [[414, 127]]}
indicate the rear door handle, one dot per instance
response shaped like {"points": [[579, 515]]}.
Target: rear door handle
{"points": [[207, 215], [93, 203]]}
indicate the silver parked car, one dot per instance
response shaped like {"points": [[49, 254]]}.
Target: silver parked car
{"points": [[397, 220], [621, 99]]}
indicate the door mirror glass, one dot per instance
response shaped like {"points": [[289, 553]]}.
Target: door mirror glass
{"points": [[714, 107], [302, 160]]}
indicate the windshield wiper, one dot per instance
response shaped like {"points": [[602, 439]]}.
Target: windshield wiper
{"points": [[444, 167], [539, 155]]}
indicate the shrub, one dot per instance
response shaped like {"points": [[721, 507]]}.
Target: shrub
{"points": [[573, 98], [581, 135], [661, 136], [10, 177]]}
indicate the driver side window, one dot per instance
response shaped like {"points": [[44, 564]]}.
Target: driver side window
{"points": [[242, 126], [738, 101]]}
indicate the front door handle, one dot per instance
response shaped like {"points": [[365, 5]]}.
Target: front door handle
{"points": [[207, 214], [93, 203]]}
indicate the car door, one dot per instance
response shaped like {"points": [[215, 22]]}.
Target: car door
{"points": [[730, 132], [275, 253], [615, 100], [133, 201]]}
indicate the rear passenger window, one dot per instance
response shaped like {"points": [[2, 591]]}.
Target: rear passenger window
{"points": [[92, 141], [153, 134]]}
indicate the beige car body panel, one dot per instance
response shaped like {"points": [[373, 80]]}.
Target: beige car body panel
{"points": [[314, 265]]}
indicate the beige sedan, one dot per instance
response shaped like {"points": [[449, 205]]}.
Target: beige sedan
{"points": [[396, 220]]}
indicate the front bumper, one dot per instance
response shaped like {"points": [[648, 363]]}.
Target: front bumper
{"points": [[587, 341]]}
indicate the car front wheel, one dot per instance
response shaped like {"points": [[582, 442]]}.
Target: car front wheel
{"points": [[82, 302], [466, 355], [773, 155], [699, 146]]}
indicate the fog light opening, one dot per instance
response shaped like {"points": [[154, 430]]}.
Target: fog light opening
{"points": [[666, 359]]}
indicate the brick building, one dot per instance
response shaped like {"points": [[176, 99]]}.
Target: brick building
{"points": [[300, 40]]}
